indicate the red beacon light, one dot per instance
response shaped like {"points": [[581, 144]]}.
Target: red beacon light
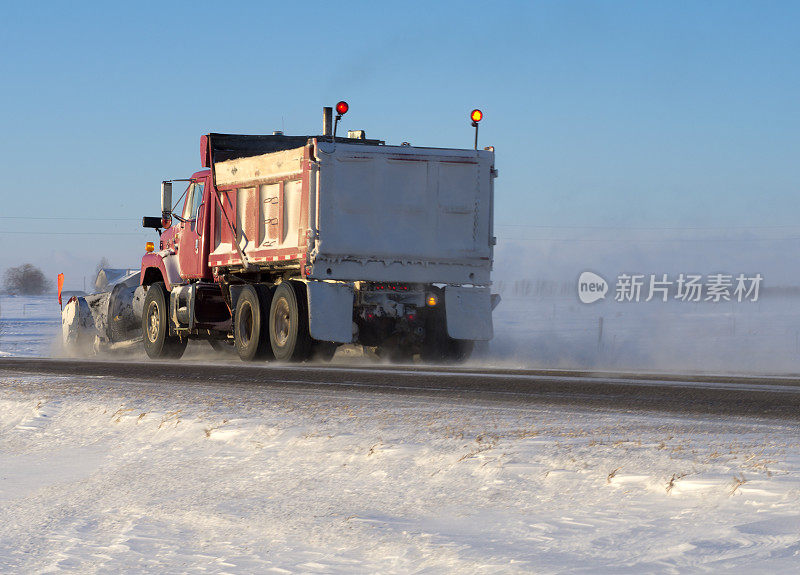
{"points": [[341, 109]]}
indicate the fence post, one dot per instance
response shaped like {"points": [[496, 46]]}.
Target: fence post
{"points": [[599, 332]]}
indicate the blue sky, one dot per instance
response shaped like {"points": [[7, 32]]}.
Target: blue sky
{"points": [[604, 115]]}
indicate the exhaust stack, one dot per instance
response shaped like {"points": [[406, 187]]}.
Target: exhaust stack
{"points": [[327, 121]]}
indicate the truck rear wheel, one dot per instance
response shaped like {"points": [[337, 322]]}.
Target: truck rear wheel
{"points": [[459, 350], [288, 323], [158, 343], [250, 323], [447, 350], [440, 347]]}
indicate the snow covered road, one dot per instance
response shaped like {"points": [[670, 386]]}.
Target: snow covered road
{"points": [[99, 474], [774, 397]]}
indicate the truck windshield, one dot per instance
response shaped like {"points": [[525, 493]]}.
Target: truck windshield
{"points": [[194, 197]]}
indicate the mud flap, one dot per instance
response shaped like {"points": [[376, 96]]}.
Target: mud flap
{"points": [[330, 311], [469, 313]]}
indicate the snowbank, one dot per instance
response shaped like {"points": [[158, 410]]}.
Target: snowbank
{"points": [[112, 475]]}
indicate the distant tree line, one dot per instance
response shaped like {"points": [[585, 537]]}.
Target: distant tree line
{"points": [[26, 279], [540, 287]]}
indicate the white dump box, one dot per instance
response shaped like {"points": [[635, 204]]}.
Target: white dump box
{"points": [[335, 214], [358, 212]]}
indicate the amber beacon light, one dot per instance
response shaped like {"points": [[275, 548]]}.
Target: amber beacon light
{"points": [[476, 116]]}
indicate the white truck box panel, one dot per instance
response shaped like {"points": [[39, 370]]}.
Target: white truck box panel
{"points": [[393, 213]]}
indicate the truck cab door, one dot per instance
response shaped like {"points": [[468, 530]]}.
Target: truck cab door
{"points": [[190, 234]]}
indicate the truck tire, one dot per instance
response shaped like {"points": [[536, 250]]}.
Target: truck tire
{"points": [[447, 350], [440, 347], [458, 350], [250, 323], [288, 323], [158, 342]]}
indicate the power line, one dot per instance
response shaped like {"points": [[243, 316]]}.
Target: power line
{"points": [[647, 228], [651, 240], [500, 225], [105, 234], [522, 226], [68, 218]]}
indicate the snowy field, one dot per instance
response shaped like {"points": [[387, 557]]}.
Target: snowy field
{"points": [[555, 332], [113, 476], [726, 337], [29, 325], [99, 475]]}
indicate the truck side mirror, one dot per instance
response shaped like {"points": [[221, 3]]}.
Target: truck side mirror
{"points": [[166, 197]]}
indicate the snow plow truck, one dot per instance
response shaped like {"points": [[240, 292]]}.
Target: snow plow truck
{"points": [[285, 247]]}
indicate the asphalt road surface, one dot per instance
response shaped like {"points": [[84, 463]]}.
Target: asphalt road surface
{"points": [[758, 396]]}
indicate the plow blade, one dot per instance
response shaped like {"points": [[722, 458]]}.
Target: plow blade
{"points": [[104, 321]]}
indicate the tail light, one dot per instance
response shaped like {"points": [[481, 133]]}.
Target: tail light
{"points": [[390, 287]]}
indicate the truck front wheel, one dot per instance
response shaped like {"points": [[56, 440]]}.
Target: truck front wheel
{"points": [[250, 323], [158, 343], [288, 323]]}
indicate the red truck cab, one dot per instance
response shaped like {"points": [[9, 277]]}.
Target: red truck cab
{"points": [[184, 245], [191, 234]]}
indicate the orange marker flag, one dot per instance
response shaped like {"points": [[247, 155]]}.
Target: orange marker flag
{"points": [[60, 287]]}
